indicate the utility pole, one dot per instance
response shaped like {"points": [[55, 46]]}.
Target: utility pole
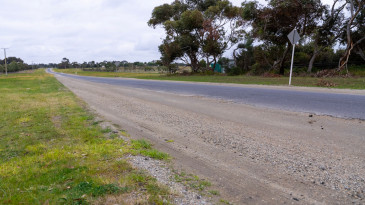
{"points": [[6, 66]]}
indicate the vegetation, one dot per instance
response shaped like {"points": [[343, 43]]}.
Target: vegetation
{"points": [[109, 66], [196, 33], [334, 82], [53, 152], [197, 30], [14, 64]]}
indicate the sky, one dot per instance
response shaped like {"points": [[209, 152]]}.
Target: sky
{"points": [[45, 31]]}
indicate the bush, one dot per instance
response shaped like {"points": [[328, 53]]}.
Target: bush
{"points": [[257, 69], [208, 72], [233, 71]]}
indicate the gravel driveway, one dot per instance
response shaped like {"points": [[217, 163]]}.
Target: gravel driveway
{"points": [[253, 155]]}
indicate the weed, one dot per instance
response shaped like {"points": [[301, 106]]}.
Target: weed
{"points": [[224, 202], [200, 185], [106, 130], [169, 141], [140, 144], [214, 192], [155, 154], [113, 135], [145, 148], [191, 180]]}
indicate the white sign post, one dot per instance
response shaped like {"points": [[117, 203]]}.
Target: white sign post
{"points": [[293, 38]]}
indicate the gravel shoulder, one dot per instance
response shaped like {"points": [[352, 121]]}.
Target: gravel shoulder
{"points": [[252, 155]]}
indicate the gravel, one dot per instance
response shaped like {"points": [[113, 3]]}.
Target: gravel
{"points": [[164, 175]]}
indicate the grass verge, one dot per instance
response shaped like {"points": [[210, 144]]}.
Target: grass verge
{"points": [[52, 151], [334, 82]]}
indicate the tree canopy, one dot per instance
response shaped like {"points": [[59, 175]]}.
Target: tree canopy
{"points": [[199, 32]]}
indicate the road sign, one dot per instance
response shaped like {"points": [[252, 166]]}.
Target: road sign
{"points": [[294, 37]]}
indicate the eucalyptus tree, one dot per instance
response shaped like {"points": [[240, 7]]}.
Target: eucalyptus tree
{"points": [[328, 30], [354, 31], [272, 23], [200, 29], [65, 63], [243, 55]]}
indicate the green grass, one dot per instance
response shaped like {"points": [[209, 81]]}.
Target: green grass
{"points": [[145, 148], [52, 151], [339, 82]]}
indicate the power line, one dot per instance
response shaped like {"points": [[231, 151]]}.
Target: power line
{"points": [[6, 66]]}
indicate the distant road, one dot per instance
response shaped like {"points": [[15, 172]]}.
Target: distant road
{"points": [[320, 103]]}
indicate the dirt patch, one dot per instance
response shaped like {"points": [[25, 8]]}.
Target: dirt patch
{"points": [[57, 121]]}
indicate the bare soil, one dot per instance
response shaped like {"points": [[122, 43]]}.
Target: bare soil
{"points": [[252, 155]]}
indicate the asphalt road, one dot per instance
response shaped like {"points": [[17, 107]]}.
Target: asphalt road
{"points": [[319, 103]]}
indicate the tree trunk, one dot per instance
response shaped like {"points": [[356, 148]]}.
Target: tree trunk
{"points": [[345, 58], [194, 62], [350, 45], [279, 64], [207, 66], [311, 62], [215, 63]]}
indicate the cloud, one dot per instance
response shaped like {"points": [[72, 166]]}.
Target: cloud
{"points": [[45, 31], [83, 30]]}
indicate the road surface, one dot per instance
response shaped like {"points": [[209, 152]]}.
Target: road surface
{"points": [[253, 155], [320, 103]]}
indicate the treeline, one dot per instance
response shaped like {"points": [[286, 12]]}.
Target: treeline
{"points": [[104, 65], [200, 32], [254, 60], [14, 64], [113, 66]]}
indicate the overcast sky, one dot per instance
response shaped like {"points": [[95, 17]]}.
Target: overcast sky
{"points": [[45, 31]]}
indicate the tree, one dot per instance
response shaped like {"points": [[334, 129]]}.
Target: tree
{"points": [[243, 55], [355, 34], [326, 33], [202, 29], [65, 63], [170, 50], [110, 66], [14, 67], [75, 64], [272, 23], [217, 37]]}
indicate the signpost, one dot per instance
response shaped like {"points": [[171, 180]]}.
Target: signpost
{"points": [[6, 65], [294, 39]]}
